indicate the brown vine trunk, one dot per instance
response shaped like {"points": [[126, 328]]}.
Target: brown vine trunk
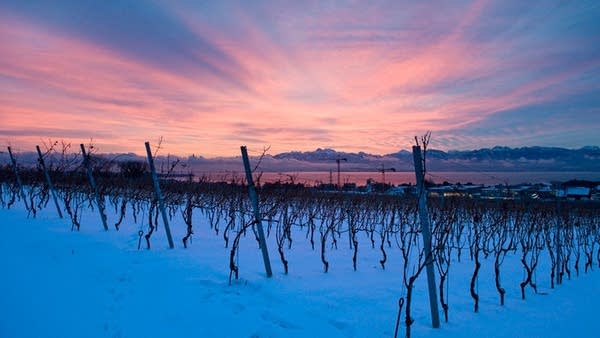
{"points": [[474, 294], [442, 301], [500, 289], [408, 319]]}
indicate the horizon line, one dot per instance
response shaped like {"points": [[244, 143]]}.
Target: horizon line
{"points": [[143, 155]]}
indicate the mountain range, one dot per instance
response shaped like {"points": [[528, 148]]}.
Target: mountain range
{"points": [[323, 159], [486, 159]]}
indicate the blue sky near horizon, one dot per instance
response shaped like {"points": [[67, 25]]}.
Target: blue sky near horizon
{"points": [[209, 76]]}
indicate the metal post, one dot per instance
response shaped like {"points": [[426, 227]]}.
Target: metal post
{"points": [[159, 196], [257, 218], [88, 167], [19, 182], [426, 232], [48, 180]]}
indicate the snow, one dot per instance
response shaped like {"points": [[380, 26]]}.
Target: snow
{"points": [[92, 283]]}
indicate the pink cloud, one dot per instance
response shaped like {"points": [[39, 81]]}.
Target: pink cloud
{"points": [[301, 82]]}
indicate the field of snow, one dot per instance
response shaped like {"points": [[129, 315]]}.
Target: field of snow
{"points": [[92, 283]]}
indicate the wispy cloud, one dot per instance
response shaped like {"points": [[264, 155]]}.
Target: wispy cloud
{"points": [[358, 76]]}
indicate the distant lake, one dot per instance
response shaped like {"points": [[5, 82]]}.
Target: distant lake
{"points": [[360, 178]]}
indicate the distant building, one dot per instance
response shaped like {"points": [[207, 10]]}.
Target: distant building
{"points": [[326, 187], [458, 190], [373, 186], [399, 190], [498, 192], [444, 191], [578, 193], [577, 190]]}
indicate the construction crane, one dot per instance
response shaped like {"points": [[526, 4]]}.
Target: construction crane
{"points": [[338, 160], [382, 170]]}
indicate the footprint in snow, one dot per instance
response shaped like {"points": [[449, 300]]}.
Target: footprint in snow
{"points": [[281, 322]]}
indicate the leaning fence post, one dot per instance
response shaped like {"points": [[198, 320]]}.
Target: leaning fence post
{"points": [[48, 180], [159, 196], [257, 217], [19, 182], [426, 232], [557, 242], [88, 167]]}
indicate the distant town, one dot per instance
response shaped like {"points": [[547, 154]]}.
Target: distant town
{"points": [[574, 190]]}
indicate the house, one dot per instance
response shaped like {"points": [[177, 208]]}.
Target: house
{"points": [[379, 187], [498, 192], [458, 190], [596, 193], [577, 190], [578, 193], [443, 190], [399, 190]]}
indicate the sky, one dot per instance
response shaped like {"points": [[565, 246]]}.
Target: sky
{"points": [[209, 76]]}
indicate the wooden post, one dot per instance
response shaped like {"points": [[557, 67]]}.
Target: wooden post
{"points": [[48, 180], [426, 232], [159, 196], [557, 243], [88, 167], [257, 218], [19, 182]]}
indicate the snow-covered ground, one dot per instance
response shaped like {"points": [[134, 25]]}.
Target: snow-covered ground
{"points": [[92, 283]]}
